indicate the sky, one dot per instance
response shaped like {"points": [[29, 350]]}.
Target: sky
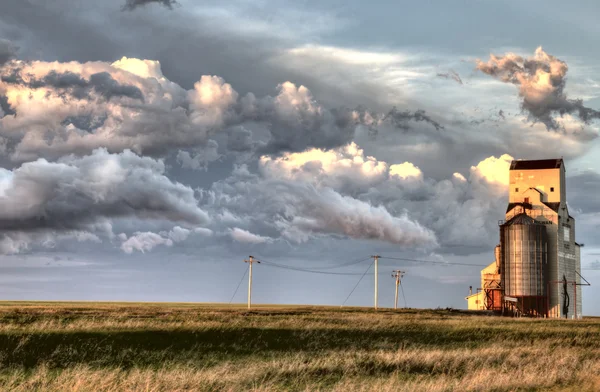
{"points": [[148, 147]]}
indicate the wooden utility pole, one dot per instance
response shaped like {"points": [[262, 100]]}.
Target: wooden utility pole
{"points": [[398, 275], [376, 258], [250, 261]]}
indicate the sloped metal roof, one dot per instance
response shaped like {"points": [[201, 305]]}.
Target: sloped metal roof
{"points": [[521, 219], [527, 206], [536, 164], [553, 206]]}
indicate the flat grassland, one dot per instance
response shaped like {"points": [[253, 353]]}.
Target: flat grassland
{"points": [[168, 347]]}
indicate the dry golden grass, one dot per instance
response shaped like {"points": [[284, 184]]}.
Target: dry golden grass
{"points": [[188, 347]]}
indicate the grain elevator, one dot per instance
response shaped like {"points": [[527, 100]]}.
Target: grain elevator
{"points": [[537, 266]]}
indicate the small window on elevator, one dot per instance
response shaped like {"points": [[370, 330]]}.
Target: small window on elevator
{"points": [[551, 189], [516, 189]]}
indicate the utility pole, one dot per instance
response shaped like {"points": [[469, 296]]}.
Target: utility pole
{"points": [[250, 260], [376, 258], [398, 275]]}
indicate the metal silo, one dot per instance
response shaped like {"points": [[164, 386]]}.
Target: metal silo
{"points": [[524, 249]]}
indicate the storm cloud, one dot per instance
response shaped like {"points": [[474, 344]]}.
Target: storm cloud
{"points": [[318, 193], [64, 108], [445, 206], [297, 211], [85, 194], [71, 84], [275, 117], [131, 5]]}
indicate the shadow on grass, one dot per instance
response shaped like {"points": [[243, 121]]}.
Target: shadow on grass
{"points": [[151, 348]]}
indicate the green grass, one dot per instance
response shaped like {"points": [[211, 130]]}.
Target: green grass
{"points": [[169, 346]]}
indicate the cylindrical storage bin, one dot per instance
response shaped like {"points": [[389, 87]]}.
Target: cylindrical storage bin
{"points": [[524, 257]]}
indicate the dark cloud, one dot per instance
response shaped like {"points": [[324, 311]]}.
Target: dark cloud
{"points": [[104, 84], [199, 158], [452, 74], [240, 139], [130, 5], [401, 119], [54, 105], [80, 194], [5, 107], [41, 29], [462, 144], [541, 80], [75, 108], [74, 84], [153, 128], [297, 121], [59, 80], [269, 207], [87, 122], [343, 192], [204, 44], [7, 51]]}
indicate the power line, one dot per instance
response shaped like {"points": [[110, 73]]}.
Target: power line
{"points": [[313, 271], [342, 265], [310, 271], [357, 283], [319, 270], [345, 264], [239, 284]]}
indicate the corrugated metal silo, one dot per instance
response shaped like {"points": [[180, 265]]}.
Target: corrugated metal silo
{"points": [[524, 248]]}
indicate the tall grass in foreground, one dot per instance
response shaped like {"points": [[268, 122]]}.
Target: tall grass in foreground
{"points": [[153, 347]]}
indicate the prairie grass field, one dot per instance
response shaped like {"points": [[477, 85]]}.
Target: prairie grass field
{"points": [[213, 347]]}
